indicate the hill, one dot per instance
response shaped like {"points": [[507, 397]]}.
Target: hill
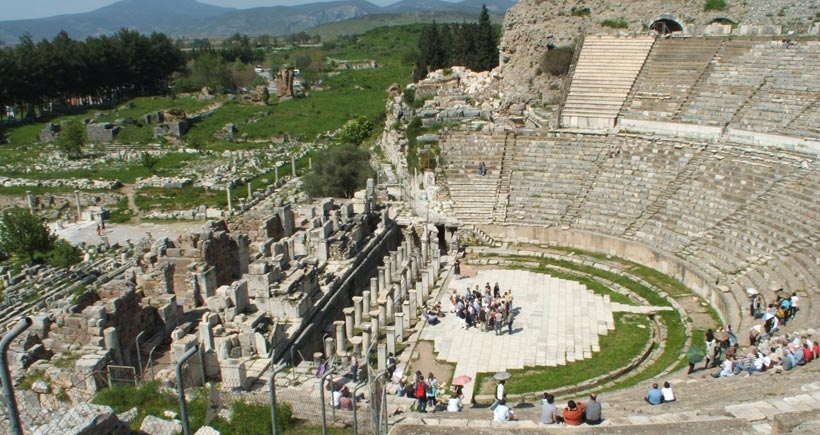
{"points": [[191, 18]]}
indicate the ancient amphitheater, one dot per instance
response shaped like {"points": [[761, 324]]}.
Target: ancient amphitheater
{"points": [[691, 150]]}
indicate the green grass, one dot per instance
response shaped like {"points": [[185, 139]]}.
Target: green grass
{"points": [[188, 197], [149, 399], [620, 23], [715, 5], [618, 348], [138, 107]]}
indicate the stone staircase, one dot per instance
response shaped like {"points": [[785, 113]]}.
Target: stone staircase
{"points": [[603, 77], [503, 190]]}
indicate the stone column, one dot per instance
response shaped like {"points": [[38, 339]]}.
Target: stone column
{"points": [[357, 345], [374, 291], [276, 175], [412, 299], [413, 267], [405, 317], [357, 309], [30, 201], [391, 309], [206, 334], [390, 332], [388, 276], [242, 204], [250, 190], [112, 343], [400, 256], [348, 321], [230, 204], [399, 327], [425, 284], [77, 199], [381, 357], [366, 301], [394, 266], [403, 291], [406, 283], [365, 338], [329, 347], [341, 345], [293, 165], [382, 283], [425, 246], [382, 313], [374, 325]]}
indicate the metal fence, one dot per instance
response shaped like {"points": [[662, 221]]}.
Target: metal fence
{"points": [[58, 401]]}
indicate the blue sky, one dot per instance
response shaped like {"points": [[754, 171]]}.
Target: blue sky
{"points": [[23, 9]]}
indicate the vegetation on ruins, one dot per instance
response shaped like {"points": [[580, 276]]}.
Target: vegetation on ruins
{"points": [[72, 138], [474, 45], [341, 171], [63, 254], [356, 131], [557, 60], [24, 233], [620, 23], [715, 5]]}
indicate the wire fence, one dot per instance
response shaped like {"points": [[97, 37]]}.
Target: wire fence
{"points": [[59, 401]]}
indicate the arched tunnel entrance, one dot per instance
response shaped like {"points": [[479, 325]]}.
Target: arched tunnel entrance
{"points": [[666, 26]]}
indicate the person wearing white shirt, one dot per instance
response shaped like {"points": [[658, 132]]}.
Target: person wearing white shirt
{"points": [[502, 412]]}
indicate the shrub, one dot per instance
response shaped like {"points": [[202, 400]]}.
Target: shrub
{"points": [[558, 60], [580, 12], [715, 5], [620, 23]]}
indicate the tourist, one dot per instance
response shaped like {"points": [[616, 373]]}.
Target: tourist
{"points": [[432, 390], [592, 410], [654, 396], [354, 366], [574, 413], [454, 403], [457, 269], [549, 414], [499, 395], [510, 319], [421, 393], [346, 402], [337, 395], [666, 392], [498, 321], [502, 412]]}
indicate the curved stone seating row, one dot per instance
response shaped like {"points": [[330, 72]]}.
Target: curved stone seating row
{"points": [[746, 217]]}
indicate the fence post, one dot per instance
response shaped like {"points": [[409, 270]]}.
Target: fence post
{"points": [[273, 373], [139, 357], [355, 420], [186, 425], [5, 376], [322, 399]]}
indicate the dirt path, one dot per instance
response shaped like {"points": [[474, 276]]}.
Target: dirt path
{"points": [[128, 191]]}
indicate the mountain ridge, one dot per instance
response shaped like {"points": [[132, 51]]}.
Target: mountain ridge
{"points": [[190, 18]]}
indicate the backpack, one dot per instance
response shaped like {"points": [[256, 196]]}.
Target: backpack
{"points": [[421, 390]]}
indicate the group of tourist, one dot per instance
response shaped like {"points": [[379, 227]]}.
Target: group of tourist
{"points": [[657, 395], [491, 310], [574, 414], [424, 390]]}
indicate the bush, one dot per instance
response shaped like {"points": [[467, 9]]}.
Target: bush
{"points": [[715, 5], [254, 419], [63, 254], [580, 12], [558, 60], [620, 23]]}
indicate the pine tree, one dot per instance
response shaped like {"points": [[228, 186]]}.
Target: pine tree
{"points": [[486, 43]]}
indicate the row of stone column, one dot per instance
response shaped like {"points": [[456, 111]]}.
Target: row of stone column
{"points": [[404, 281]]}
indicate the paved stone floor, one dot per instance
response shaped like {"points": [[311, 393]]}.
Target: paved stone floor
{"points": [[557, 321], [86, 231]]}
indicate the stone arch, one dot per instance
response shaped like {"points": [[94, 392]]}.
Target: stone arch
{"points": [[724, 20], [667, 24]]}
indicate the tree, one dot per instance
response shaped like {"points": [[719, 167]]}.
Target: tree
{"points": [[486, 45], [22, 232], [149, 161], [344, 169], [72, 138], [63, 254], [355, 131], [265, 95]]}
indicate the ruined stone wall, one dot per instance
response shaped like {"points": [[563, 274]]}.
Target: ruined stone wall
{"points": [[341, 291]]}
